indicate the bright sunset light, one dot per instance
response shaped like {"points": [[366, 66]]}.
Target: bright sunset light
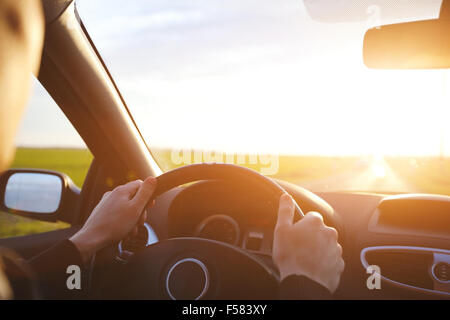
{"points": [[282, 80], [246, 77]]}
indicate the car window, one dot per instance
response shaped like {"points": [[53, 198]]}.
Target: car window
{"points": [[50, 143]]}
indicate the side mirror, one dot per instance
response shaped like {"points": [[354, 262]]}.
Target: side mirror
{"points": [[38, 194]]}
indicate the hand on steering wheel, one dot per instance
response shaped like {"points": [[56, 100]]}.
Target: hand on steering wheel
{"points": [[118, 213], [307, 247]]}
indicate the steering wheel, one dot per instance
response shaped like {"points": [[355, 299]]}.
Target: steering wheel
{"points": [[196, 268]]}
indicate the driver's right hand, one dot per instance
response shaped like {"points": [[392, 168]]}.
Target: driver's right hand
{"points": [[307, 247]]}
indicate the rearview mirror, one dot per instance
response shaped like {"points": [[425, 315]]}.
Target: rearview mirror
{"points": [[412, 45], [338, 11], [38, 194]]}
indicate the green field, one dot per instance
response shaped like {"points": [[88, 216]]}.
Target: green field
{"points": [[73, 162], [428, 175]]}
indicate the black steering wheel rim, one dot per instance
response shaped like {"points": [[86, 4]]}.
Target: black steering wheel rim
{"points": [[219, 171]]}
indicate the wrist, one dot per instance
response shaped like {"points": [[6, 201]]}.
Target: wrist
{"points": [[286, 272], [86, 245], [286, 269]]}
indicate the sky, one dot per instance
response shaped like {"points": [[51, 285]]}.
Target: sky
{"points": [[266, 76]]}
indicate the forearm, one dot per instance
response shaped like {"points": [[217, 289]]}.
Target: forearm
{"points": [[51, 268]]}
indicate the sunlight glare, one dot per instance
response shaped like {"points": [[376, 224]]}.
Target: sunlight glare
{"points": [[378, 170]]}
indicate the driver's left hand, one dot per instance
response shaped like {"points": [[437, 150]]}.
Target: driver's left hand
{"points": [[117, 215]]}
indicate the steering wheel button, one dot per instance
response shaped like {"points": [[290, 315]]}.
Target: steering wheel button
{"points": [[187, 279]]}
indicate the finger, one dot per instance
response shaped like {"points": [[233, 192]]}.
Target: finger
{"points": [[286, 210], [142, 218], [134, 231], [333, 233], [130, 185], [106, 194], [314, 218], [144, 193], [339, 249], [129, 188], [151, 204], [341, 267]]}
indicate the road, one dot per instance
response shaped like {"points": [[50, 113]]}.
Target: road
{"points": [[367, 175]]}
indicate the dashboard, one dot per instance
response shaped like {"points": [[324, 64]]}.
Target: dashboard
{"points": [[407, 236], [224, 228], [218, 211], [220, 227], [236, 214]]}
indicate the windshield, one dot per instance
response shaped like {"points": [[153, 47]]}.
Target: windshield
{"points": [[278, 86]]}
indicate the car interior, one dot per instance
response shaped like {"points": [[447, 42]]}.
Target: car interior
{"points": [[222, 216]]}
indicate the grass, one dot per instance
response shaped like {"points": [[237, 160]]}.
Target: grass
{"points": [[73, 162], [426, 174], [13, 225]]}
